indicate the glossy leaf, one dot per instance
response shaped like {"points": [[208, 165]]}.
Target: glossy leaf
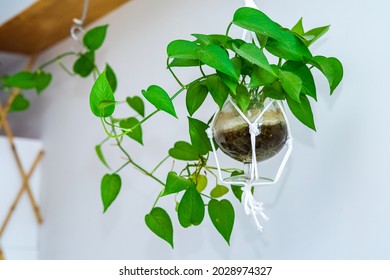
{"points": [[212, 39], [217, 58], [229, 82], [199, 139], [191, 208], [133, 123], [160, 99], [184, 151], [201, 183], [218, 191], [314, 34], [22, 80], [175, 183], [302, 111], [290, 48], [94, 38], [260, 77], [242, 98], [298, 27], [218, 90], [137, 104], [85, 64], [291, 83], [301, 70], [222, 216], [159, 222], [196, 94], [331, 67], [274, 91], [101, 91], [110, 188], [20, 103], [99, 152], [179, 62], [256, 56], [182, 49], [111, 77], [42, 80], [237, 65]]}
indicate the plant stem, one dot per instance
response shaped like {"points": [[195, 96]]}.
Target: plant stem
{"points": [[147, 173], [120, 168], [158, 197], [47, 63], [173, 74], [205, 195], [158, 165]]}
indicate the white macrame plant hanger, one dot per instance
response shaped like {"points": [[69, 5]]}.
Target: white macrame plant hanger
{"points": [[251, 206]]}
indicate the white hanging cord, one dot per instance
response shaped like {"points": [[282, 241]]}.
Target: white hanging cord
{"points": [[253, 207], [78, 23]]}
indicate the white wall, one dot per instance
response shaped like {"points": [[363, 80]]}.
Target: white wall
{"points": [[333, 200]]}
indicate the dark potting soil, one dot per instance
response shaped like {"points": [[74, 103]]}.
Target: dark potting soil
{"points": [[236, 142]]}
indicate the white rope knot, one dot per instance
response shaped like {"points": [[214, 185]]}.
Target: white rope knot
{"points": [[209, 133], [253, 207], [254, 129]]}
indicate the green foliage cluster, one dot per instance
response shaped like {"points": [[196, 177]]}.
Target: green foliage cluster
{"points": [[235, 68]]}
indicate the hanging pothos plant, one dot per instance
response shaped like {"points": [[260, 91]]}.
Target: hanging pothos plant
{"points": [[227, 67], [39, 80]]}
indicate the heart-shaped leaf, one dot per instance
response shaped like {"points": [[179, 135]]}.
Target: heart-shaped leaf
{"points": [[101, 92], [331, 67], [110, 187], [111, 77], [222, 216], [175, 183], [201, 183], [133, 124], [302, 111], [137, 104], [22, 80], [198, 136], [218, 90], [182, 49], [94, 38], [291, 83], [159, 222], [42, 80], [242, 98], [301, 70], [183, 151], [85, 64], [191, 208], [196, 94], [160, 99], [20, 103], [254, 55], [218, 191]]}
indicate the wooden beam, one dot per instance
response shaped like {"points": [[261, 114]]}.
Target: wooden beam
{"points": [[46, 22]]}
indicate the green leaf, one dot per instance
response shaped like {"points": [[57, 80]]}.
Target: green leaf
{"points": [[196, 94], [314, 34], [219, 191], [237, 190], [298, 27], [20, 103], [98, 149], [85, 64], [22, 80], [242, 98], [260, 77], [182, 49], [191, 208], [159, 222], [132, 123], [331, 67], [228, 81], [301, 70], [291, 83], [137, 104], [94, 38], [217, 58], [175, 183], [179, 62], [274, 91], [218, 90], [281, 42], [256, 56], [42, 80], [101, 91], [110, 187], [201, 183], [212, 39], [222, 215], [199, 139], [237, 65], [183, 151], [111, 77], [160, 99], [302, 111]]}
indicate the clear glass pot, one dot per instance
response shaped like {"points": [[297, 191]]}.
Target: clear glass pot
{"points": [[231, 131]]}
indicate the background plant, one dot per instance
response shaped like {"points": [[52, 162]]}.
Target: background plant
{"points": [[227, 67]]}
